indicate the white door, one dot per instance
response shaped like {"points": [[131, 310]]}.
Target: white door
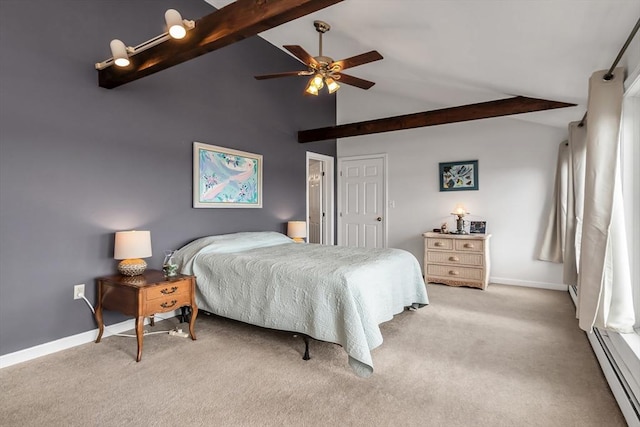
{"points": [[320, 198], [362, 198], [316, 211]]}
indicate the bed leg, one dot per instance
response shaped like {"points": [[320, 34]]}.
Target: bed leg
{"points": [[306, 348]]}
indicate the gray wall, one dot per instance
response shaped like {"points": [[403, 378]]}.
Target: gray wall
{"points": [[78, 162]]}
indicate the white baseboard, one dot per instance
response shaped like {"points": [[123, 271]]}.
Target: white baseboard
{"points": [[529, 284], [71, 341]]}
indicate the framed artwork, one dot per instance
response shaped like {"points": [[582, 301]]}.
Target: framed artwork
{"points": [[226, 178], [459, 176], [478, 227]]}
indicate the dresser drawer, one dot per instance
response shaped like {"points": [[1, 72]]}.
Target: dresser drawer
{"points": [[455, 272], [172, 302], [455, 258], [169, 289], [444, 244], [469, 245]]}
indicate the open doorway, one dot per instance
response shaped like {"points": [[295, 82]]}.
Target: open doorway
{"points": [[320, 199]]}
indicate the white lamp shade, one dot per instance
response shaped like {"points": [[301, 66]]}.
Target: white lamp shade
{"points": [[132, 244], [297, 229], [119, 53], [175, 27]]}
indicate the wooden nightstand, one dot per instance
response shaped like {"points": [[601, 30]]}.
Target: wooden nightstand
{"points": [[457, 259], [143, 296]]}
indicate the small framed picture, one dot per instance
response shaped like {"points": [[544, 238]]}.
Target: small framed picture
{"points": [[459, 176], [477, 227]]}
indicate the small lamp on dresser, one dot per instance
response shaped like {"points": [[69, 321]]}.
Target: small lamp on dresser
{"points": [[460, 212], [131, 247], [297, 230]]}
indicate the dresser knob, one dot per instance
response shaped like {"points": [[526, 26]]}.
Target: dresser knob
{"points": [[468, 245], [438, 244], [453, 273], [454, 258]]}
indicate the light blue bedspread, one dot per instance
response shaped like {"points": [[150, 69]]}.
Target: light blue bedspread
{"points": [[331, 293]]}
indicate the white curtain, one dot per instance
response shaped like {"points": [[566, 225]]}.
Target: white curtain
{"points": [[577, 156], [561, 240], [604, 279], [553, 243]]}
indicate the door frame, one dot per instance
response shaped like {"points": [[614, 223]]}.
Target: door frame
{"points": [[385, 195], [328, 195]]}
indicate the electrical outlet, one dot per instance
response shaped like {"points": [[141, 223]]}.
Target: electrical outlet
{"points": [[78, 291]]}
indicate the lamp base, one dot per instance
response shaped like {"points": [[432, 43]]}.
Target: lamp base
{"points": [[298, 239], [132, 267]]}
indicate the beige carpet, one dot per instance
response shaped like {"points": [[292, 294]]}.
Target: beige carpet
{"points": [[507, 356]]}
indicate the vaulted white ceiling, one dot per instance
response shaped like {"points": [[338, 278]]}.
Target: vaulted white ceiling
{"points": [[440, 53]]}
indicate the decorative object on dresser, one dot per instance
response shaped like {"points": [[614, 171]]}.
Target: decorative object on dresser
{"points": [[297, 230], [478, 227], [457, 259], [169, 266], [460, 212], [459, 176], [226, 178], [131, 247], [143, 296]]}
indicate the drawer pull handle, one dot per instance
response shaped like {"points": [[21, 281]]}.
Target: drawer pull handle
{"points": [[166, 291], [453, 273], [454, 258], [167, 305], [438, 244], [468, 245]]}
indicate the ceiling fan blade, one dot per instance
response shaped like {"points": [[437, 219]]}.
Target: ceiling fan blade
{"points": [[301, 54], [354, 61], [276, 75], [354, 81]]}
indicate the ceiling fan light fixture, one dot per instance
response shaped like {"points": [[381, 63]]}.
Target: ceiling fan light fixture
{"points": [[175, 26], [317, 81], [119, 53], [332, 85], [312, 89]]}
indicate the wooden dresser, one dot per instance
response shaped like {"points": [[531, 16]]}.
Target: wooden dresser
{"points": [[457, 259]]}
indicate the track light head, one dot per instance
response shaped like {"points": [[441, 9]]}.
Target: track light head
{"points": [[175, 26], [119, 53]]}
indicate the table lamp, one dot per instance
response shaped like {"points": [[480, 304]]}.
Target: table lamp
{"points": [[460, 212], [131, 246], [297, 230]]}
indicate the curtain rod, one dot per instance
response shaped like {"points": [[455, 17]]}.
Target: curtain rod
{"points": [[609, 74]]}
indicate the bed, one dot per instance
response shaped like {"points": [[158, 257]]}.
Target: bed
{"points": [[330, 293]]}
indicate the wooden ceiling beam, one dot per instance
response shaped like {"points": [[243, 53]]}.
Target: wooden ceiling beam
{"points": [[483, 110], [234, 22]]}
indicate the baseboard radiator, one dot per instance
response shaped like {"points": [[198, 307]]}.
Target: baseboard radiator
{"points": [[618, 381]]}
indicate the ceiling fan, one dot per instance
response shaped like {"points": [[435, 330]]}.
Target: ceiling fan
{"points": [[325, 70]]}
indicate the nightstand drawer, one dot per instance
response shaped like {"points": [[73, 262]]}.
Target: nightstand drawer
{"points": [[444, 244], [170, 289], [455, 258], [169, 303], [455, 272], [469, 245]]}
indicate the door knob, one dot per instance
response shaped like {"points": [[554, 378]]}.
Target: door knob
{"points": [[379, 218]]}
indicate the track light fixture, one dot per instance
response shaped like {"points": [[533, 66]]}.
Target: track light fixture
{"points": [[176, 28]]}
